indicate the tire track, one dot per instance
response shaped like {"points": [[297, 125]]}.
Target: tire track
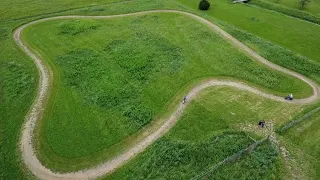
{"points": [[45, 81]]}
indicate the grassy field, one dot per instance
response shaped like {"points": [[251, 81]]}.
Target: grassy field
{"points": [[18, 76], [210, 119], [168, 159], [105, 90], [302, 140], [299, 36], [224, 108], [312, 7], [263, 163], [17, 89], [23, 9], [277, 54]]}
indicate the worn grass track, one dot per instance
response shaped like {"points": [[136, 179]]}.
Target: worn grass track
{"points": [[39, 104]]}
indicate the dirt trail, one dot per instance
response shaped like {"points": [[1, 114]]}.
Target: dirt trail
{"points": [[45, 81]]}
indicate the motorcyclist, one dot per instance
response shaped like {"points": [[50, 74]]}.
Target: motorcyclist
{"points": [[289, 97]]}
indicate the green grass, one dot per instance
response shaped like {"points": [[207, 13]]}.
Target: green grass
{"points": [[19, 10], [169, 159], [213, 115], [262, 163], [287, 11], [18, 75], [312, 7], [303, 142], [299, 36], [105, 90], [17, 89], [17, 96], [224, 108], [277, 54]]}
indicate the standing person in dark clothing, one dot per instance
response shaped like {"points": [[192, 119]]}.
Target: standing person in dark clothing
{"points": [[261, 123]]}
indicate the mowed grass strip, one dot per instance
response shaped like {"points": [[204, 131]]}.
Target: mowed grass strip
{"points": [[312, 6], [297, 35], [211, 120], [112, 77], [277, 54]]}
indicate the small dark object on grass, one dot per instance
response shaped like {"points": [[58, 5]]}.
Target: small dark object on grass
{"points": [[184, 99], [289, 97], [204, 5], [261, 123]]}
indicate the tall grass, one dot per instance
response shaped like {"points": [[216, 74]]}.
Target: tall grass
{"points": [[130, 69], [215, 115], [15, 98], [167, 159], [18, 75], [262, 163], [17, 88], [231, 159]]}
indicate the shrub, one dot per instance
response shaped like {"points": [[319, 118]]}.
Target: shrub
{"points": [[303, 3], [204, 5]]}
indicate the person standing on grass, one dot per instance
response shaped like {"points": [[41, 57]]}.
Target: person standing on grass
{"points": [[261, 123], [184, 99]]}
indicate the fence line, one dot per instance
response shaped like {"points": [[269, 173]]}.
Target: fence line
{"points": [[297, 121], [231, 158]]}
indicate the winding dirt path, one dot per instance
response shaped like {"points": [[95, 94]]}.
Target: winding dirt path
{"points": [[45, 81]]}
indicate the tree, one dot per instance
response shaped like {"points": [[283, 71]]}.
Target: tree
{"points": [[303, 3], [204, 5]]}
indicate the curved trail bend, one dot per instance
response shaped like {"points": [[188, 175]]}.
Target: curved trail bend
{"points": [[39, 104]]}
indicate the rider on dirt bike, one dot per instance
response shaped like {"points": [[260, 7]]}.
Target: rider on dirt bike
{"points": [[289, 97]]}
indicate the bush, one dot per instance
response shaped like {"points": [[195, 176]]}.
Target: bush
{"points": [[303, 3], [204, 5], [287, 11]]}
